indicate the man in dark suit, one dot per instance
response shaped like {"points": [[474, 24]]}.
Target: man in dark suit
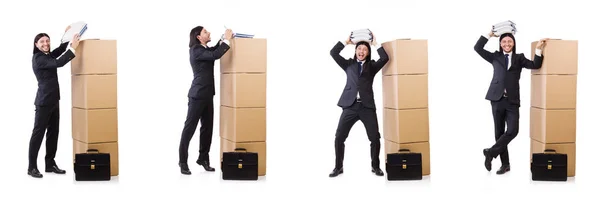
{"points": [[357, 99], [201, 94], [503, 92], [47, 114]]}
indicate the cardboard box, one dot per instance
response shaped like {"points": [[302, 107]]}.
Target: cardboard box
{"points": [[563, 148], [405, 91], [243, 124], [418, 147], [94, 91], [553, 126], [560, 57], [406, 126], [95, 125], [94, 56], [258, 147], [407, 56], [247, 55], [244, 90], [108, 147], [554, 91]]}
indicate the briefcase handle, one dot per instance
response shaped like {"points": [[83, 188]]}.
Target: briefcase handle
{"points": [[404, 150], [550, 151], [93, 150], [240, 149]]}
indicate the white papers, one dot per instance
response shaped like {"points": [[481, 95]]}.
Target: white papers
{"points": [[504, 27], [75, 28], [361, 35]]}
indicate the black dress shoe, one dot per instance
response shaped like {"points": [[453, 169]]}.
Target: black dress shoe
{"points": [[488, 159], [206, 165], [185, 170], [55, 169], [503, 169], [34, 173], [336, 172], [377, 171]]}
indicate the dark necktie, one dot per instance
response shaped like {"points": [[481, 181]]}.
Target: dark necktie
{"points": [[360, 68], [506, 61]]}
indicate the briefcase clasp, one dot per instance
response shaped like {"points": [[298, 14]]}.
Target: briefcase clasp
{"points": [[549, 164], [403, 164], [92, 166]]}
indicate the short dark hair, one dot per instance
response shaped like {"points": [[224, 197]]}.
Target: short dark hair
{"points": [[193, 35], [514, 49], [38, 37]]}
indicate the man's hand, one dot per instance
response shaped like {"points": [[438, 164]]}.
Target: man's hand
{"points": [[348, 41], [374, 42], [541, 44], [75, 41], [228, 34]]}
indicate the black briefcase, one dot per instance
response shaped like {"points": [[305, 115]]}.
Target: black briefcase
{"points": [[549, 166], [92, 166], [404, 165], [239, 165]]}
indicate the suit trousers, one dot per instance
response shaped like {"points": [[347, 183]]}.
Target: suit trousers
{"points": [[203, 111], [349, 117], [506, 115], [46, 121]]}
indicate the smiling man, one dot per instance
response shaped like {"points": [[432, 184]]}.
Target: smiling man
{"points": [[503, 92], [47, 112], [357, 99]]}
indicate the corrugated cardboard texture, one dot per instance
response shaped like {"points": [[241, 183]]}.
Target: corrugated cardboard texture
{"points": [[553, 126], [407, 56], [110, 147], [560, 57], [405, 91], [95, 126], [94, 91], [418, 147], [566, 148], [243, 124], [247, 55], [244, 90], [94, 56], [258, 147], [554, 91], [406, 126]]}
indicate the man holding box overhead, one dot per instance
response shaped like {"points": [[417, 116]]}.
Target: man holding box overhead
{"points": [[47, 111], [201, 94], [357, 99], [503, 92]]}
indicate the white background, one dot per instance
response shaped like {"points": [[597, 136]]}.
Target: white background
{"points": [[304, 85]]}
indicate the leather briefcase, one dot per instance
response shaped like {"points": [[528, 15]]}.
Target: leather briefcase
{"points": [[549, 166], [404, 165], [92, 166], [239, 165]]}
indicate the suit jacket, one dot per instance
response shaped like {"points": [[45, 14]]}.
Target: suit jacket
{"points": [[506, 79], [203, 64], [44, 68], [358, 82]]}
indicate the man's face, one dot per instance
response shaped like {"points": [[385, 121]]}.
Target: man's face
{"points": [[507, 44], [204, 36], [362, 52], [43, 44]]}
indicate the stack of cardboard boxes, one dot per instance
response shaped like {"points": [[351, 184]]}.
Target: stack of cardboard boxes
{"points": [[94, 99], [553, 101], [405, 98], [243, 112]]}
